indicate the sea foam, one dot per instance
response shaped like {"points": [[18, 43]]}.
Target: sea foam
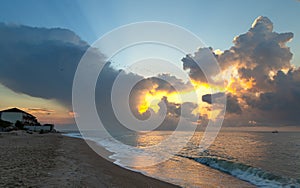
{"points": [[255, 176]]}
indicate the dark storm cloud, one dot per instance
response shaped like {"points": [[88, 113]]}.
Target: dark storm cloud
{"points": [[39, 62], [42, 62], [35, 35]]}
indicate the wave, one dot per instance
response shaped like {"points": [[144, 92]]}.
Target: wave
{"points": [[253, 175]]}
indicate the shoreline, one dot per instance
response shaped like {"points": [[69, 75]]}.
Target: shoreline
{"points": [[54, 160], [202, 171], [207, 176]]}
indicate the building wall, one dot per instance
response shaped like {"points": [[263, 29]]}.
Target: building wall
{"points": [[12, 116], [38, 128]]}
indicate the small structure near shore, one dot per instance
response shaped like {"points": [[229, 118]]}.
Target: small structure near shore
{"points": [[45, 127], [15, 118]]}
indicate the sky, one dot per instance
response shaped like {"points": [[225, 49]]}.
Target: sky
{"points": [[217, 23]]}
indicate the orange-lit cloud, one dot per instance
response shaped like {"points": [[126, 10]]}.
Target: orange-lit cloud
{"points": [[152, 97]]}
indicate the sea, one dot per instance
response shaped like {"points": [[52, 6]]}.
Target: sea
{"points": [[238, 157]]}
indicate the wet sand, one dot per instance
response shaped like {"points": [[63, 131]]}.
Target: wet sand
{"points": [[53, 160]]}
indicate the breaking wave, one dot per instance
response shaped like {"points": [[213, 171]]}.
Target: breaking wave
{"points": [[253, 175]]}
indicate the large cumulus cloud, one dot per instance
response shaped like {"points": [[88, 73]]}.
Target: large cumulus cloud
{"points": [[258, 53], [262, 56]]}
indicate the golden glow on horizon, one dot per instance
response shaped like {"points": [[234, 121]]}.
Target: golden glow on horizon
{"points": [[46, 111], [152, 98], [233, 84]]}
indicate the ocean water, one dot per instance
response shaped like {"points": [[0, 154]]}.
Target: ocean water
{"points": [[239, 158]]}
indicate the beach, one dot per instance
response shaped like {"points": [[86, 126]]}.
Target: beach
{"points": [[53, 160], [235, 159]]}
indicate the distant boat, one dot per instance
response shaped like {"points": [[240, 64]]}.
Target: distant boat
{"points": [[275, 131]]}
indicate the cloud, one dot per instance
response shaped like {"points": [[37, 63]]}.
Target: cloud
{"points": [[201, 66], [262, 56], [163, 82], [39, 62], [35, 35], [265, 87], [175, 82], [40, 110], [233, 105], [284, 102], [232, 102], [186, 111], [172, 108], [259, 52], [174, 111], [155, 88], [42, 62], [108, 116]]}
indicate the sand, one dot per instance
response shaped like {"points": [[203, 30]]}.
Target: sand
{"points": [[53, 160]]}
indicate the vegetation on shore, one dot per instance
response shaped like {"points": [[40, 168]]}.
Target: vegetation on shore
{"points": [[4, 124]]}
